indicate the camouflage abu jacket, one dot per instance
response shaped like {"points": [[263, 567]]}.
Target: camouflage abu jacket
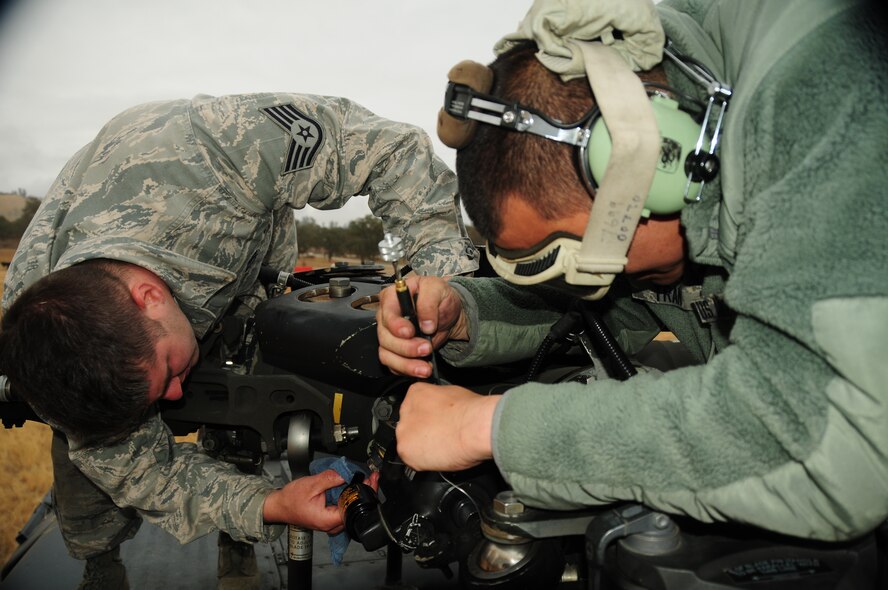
{"points": [[201, 192]]}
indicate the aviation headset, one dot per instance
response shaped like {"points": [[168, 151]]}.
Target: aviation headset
{"points": [[650, 171]]}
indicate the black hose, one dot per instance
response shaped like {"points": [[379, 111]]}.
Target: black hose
{"points": [[620, 366], [559, 331], [539, 357], [296, 283]]}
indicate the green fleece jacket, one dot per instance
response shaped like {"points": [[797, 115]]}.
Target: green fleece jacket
{"points": [[785, 426]]}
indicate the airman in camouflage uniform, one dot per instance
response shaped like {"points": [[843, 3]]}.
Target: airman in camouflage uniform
{"points": [[201, 193]]}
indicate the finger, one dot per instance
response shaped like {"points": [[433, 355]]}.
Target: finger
{"points": [[388, 314], [428, 304], [373, 480], [399, 326], [335, 530], [328, 479], [404, 366], [406, 347], [389, 317], [328, 519]]}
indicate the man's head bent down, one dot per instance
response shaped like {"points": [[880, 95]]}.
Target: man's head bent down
{"points": [[519, 188], [79, 347], [498, 164]]}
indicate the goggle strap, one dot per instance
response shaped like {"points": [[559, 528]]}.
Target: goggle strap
{"points": [[635, 137]]}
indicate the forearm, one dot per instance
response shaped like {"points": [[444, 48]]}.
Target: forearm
{"points": [[172, 485], [505, 322], [409, 188], [750, 437], [282, 250]]}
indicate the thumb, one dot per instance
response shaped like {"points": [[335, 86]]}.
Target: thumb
{"points": [[373, 480], [329, 479]]}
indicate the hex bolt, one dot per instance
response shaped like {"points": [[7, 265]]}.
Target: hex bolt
{"points": [[506, 504], [340, 287]]}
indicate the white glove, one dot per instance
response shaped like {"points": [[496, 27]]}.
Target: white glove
{"points": [[553, 24]]}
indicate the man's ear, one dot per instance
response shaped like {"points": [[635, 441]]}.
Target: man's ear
{"points": [[148, 296]]}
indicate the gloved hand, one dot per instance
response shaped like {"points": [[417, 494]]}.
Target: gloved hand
{"points": [[346, 469], [557, 24]]}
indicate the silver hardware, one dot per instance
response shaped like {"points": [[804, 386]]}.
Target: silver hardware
{"points": [[719, 95]]}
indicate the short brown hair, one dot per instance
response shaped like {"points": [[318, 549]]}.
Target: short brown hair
{"points": [[76, 347], [544, 173], [498, 162]]}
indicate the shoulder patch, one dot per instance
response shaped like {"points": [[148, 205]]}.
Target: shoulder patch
{"points": [[306, 136]]}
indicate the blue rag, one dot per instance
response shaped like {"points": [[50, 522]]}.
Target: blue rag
{"points": [[346, 469]]}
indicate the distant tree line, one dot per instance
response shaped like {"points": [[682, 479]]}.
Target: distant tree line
{"points": [[360, 238]]}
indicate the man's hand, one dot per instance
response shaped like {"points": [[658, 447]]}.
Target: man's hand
{"points": [[301, 502], [445, 428], [440, 313]]}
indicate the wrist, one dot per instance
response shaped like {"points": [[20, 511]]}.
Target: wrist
{"points": [[271, 512], [478, 427], [460, 329]]}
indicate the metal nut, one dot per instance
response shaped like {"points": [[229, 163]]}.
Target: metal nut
{"points": [[340, 287], [506, 504]]}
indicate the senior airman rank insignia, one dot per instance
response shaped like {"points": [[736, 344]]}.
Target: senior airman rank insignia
{"points": [[306, 136]]}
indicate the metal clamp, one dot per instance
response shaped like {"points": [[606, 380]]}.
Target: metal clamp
{"points": [[704, 165]]}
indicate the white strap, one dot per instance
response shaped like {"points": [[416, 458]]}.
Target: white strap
{"points": [[621, 194]]}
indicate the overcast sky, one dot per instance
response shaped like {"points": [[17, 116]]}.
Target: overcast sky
{"points": [[67, 67]]}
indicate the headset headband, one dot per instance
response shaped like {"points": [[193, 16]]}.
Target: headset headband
{"points": [[635, 141], [464, 102]]}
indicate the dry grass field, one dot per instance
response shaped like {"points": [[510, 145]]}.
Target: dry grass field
{"points": [[26, 468], [24, 456]]}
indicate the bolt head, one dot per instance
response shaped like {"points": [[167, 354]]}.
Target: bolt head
{"points": [[506, 504]]}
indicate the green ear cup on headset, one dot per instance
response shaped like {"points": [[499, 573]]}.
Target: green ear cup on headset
{"points": [[678, 132]]}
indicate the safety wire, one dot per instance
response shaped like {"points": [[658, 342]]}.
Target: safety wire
{"points": [[391, 249], [465, 493], [388, 531], [437, 380]]}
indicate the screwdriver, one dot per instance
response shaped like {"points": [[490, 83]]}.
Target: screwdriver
{"points": [[391, 248]]}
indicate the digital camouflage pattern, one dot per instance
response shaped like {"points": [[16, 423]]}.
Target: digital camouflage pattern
{"points": [[201, 192], [173, 485]]}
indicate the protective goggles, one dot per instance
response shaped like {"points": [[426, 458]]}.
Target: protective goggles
{"points": [[553, 261]]}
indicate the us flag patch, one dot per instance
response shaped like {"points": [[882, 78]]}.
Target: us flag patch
{"points": [[306, 136]]}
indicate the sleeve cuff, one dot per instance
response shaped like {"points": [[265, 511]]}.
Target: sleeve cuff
{"points": [[257, 530], [446, 258], [457, 351], [494, 430]]}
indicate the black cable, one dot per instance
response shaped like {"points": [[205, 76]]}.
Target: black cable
{"points": [[559, 331], [620, 366]]}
